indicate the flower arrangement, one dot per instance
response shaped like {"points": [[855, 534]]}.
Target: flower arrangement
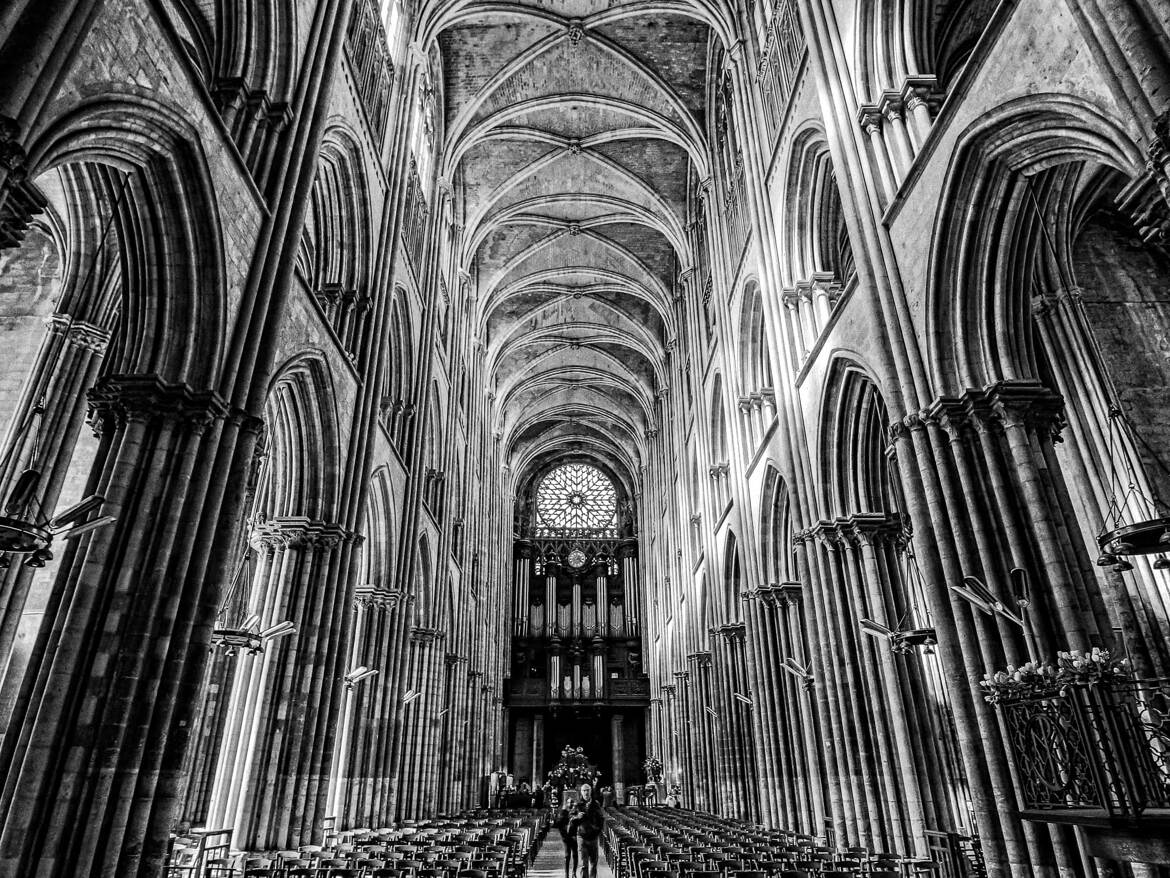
{"points": [[653, 768], [573, 768], [1039, 679]]}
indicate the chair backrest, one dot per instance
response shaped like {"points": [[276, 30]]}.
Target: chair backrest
{"points": [[473, 873]]}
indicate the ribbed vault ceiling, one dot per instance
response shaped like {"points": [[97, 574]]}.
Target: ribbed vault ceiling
{"points": [[572, 133]]}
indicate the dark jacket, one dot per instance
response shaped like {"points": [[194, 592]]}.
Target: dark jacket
{"points": [[590, 822], [562, 825]]}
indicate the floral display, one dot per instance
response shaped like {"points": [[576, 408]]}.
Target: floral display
{"points": [[574, 768], [1037, 679], [653, 768]]}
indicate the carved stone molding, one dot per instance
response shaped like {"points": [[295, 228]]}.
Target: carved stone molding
{"points": [[299, 531], [79, 333], [118, 399], [701, 659]]}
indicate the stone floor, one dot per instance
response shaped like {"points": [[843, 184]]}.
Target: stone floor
{"points": [[550, 861]]}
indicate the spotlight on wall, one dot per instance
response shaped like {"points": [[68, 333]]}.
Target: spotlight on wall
{"points": [[410, 696], [978, 595], [739, 696], [282, 629], [1021, 588], [873, 629], [358, 674]]}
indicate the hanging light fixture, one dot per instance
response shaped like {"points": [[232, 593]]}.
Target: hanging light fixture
{"points": [[25, 529], [244, 633], [1135, 523]]}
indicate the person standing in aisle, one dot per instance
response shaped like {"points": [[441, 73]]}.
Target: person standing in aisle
{"points": [[588, 826], [566, 827]]}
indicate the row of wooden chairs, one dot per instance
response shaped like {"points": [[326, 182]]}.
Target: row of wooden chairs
{"points": [[673, 843], [480, 844]]}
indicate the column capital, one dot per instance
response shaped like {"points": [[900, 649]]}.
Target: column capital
{"points": [[917, 91], [701, 659], [123, 398], [732, 631], [422, 635], [297, 530], [79, 333], [870, 118]]}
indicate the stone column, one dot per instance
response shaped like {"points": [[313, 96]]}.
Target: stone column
{"points": [[618, 741], [93, 783], [270, 785], [537, 750], [522, 760], [66, 366]]}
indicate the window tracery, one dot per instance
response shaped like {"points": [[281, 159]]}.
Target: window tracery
{"points": [[576, 496]]}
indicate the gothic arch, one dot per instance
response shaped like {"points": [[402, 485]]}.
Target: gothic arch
{"points": [[378, 547], [776, 529], [754, 356], [718, 423], [897, 40], [732, 579], [302, 471], [172, 270], [245, 53], [855, 471], [819, 247], [398, 377], [337, 237], [979, 304], [423, 590]]}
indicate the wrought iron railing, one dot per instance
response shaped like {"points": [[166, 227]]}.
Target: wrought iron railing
{"points": [[373, 68], [1102, 748]]}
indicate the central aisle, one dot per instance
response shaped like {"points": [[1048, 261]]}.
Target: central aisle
{"points": [[550, 862]]}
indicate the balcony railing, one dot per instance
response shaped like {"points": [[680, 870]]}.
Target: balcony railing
{"points": [[540, 692], [1090, 752]]}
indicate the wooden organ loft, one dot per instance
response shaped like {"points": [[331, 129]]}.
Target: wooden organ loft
{"points": [[576, 657]]}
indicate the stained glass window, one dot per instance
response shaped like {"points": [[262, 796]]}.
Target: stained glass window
{"points": [[576, 496]]}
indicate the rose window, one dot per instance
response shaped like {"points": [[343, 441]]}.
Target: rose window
{"points": [[576, 496]]}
